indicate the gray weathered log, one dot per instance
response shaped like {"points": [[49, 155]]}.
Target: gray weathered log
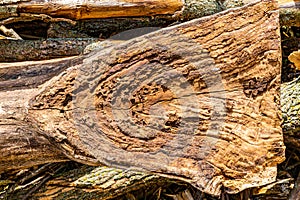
{"points": [[25, 50]]}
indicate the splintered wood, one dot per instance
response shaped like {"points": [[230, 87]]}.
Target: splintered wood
{"points": [[198, 102], [88, 9]]}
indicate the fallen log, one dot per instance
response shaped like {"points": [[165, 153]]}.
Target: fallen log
{"points": [[53, 21], [73, 10], [21, 50], [98, 183], [91, 9], [290, 110], [217, 125]]}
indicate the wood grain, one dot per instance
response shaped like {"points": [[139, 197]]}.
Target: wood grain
{"points": [[123, 105], [95, 9], [197, 102]]}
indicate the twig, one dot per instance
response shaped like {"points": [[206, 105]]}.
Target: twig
{"points": [[37, 172], [295, 194], [10, 33], [40, 184]]}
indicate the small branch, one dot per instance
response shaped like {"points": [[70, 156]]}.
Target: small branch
{"points": [[10, 33], [295, 194]]}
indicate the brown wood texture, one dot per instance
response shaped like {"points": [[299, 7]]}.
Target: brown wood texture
{"points": [[125, 8], [94, 9], [21, 144], [198, 102]]}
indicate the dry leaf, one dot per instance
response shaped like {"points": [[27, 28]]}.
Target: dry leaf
{"points": [[294, 57]]}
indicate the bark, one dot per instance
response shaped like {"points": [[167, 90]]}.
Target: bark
{"points": [[22, 50], [86, 182], [83, 182], [290, 109], [98, 183], [290, 17], [221, 140]]}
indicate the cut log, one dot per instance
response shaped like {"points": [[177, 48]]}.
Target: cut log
{"points": [[198, 102]]}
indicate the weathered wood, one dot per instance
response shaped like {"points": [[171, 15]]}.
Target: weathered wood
{"points": [[125, 8], [22, 145], [15, 18], [93, 9], [219, 89], [33, 147]]}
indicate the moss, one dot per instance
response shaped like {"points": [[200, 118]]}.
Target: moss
{"points": [[8, 11], [195, 8], [290, 17], [232, 3], [77, 194], [290, 105]]}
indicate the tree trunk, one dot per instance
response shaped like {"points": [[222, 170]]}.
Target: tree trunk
{"points": [[202, 104]]}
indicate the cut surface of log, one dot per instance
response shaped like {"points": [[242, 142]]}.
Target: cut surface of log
{"points": [[197, 102]]}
